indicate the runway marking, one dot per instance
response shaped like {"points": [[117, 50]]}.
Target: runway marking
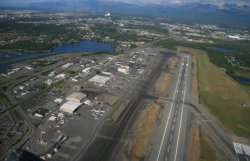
{"points": [[168, 149], [174, 119], [164, 134], [172, 128], [171, 136], [178, 138]]}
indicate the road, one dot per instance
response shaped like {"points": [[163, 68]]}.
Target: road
{"points": [[109, 135], [15, 105], [171, 131], [170, 142]]}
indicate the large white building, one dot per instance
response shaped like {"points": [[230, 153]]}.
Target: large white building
{"points": [[123, 69], [100, 80], [60, 76], [65, 66], [70, 107], [87, 70], [76, 97]]}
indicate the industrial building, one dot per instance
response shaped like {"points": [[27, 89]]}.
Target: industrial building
{"points": [[70, 107], [123, 69], [60, 76], [100, 80], [65, 66], [20, 154], [87, 70], [41, 112], [76, 97]]}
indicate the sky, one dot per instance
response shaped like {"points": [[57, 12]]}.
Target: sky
{"points": [[138, 2]]}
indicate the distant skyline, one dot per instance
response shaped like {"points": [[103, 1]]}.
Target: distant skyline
{"points": [[137, 2]]}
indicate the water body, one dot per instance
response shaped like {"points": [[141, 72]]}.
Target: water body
{"points": [[78, 47], [223, 49], [84, 46], [242, 79]]}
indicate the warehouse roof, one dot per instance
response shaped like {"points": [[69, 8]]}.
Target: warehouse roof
{"points": [[77, 95], [70, 106], [100, 79]]}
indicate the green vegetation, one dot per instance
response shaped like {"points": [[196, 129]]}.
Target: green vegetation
{"points": [[41, 63], [16, 115], [208, 153], [112, 32], [39, 37], [28, 45], [243, 73], [4, 99], [240, 52], [225, 98]]}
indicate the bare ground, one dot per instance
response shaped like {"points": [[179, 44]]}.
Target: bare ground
{"points": [[194, 76], [195, 151], [173, 62], [165, 83], [144, 132]]}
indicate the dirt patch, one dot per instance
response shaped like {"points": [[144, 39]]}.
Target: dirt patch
{"points": [[165, 83], [162, 84], [173, 62], [195, 151], [109, 99], [144, 132], [194, 76]]}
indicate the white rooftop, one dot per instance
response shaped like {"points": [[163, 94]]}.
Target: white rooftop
{"points": [[77, 95], [99, 79], [70, 107]]}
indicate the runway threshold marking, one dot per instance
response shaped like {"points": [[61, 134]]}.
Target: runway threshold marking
{"points": [[164, 134], [178, 139]]}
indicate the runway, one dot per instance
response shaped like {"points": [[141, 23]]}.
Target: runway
{"points": [[170, 141], [167, 142]]}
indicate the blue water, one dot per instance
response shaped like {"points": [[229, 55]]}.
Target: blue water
{"points": [[82, 46], [223, 50], [242, 79]]}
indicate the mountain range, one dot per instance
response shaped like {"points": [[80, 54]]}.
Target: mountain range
{"points": [[228, 14]]}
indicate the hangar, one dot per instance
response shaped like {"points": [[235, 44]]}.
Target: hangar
{"points": [[76, 97], [100, 80], [70, 107]]}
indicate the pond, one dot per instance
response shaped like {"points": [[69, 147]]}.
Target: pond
{"points": [[223, 49], [84, 46], [242, 79], [78, 47]]}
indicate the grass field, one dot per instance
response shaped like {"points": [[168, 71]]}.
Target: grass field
{"points": [[195, 148], [243, 73], [226, 99], [208, 153]]}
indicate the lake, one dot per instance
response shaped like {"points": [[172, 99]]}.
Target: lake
{"points": [[223, 49], [77, 47], [84, 46], [242, 79]]}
